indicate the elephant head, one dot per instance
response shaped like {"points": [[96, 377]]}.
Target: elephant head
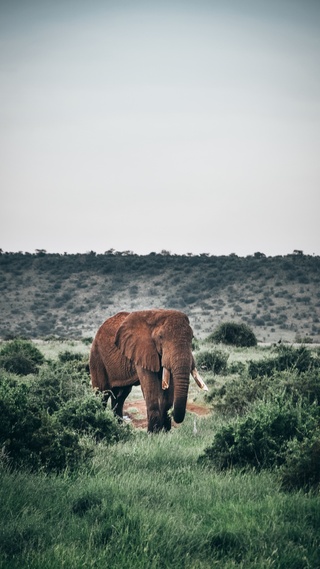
{"points": [[158, 342]]}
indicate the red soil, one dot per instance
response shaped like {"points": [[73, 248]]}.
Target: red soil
{"points": [[137, 413]]}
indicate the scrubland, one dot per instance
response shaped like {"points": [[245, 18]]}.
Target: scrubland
{"points": [[69, 296]]}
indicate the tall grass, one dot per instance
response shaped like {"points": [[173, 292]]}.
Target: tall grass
{"points": [[148, 504]]}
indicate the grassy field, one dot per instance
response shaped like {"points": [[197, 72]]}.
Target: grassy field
{"points": [[148, 503]]}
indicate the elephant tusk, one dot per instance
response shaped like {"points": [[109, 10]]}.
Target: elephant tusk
{"points": [[165, 378], [199, 381]]}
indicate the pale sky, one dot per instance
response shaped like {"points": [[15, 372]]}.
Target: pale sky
{"points": [[190, 126]]}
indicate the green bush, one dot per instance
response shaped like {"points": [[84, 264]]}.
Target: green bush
{"points": [[88, 415], [21, 357], [212, 360], [68, 356], [260, 438], [236, 395], [44, 418], [233, 334], [58, 383], [302, 463], [29, 436], [287, 358]]}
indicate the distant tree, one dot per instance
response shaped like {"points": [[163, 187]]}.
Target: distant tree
{"points": [[234, 334]]}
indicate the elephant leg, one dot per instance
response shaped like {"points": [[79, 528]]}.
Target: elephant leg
{"points": [[118, 397], [152, 392]]}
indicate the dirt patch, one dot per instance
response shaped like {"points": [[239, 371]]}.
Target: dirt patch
{"points": [[137, 413]]}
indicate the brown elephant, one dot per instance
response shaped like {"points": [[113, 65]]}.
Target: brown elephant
{"points": [[150, 347]]}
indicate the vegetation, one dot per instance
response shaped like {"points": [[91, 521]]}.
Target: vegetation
{"points": [[233, 334], [287, 357], [212, 360], [45, 295], [273, 417], [260, 438], [21, 357], [43, 420], [236, 488]]}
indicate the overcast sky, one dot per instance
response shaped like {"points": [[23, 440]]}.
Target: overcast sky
{"points": [[191, 126]]}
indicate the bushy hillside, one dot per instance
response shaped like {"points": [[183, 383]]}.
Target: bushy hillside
{"points": [[71, 295]]}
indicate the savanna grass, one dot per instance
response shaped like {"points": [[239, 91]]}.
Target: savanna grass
{"points": [[147, 504]]}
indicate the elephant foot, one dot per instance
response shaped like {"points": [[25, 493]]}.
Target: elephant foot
{"points": [[156, 423], [167, 423]]}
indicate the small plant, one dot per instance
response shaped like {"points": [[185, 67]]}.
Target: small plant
{"points": [[233, 334], [212, 360], [21, 357]]}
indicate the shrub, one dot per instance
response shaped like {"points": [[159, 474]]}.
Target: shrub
{"points": [[68, 356], [260, 438], [305, 384], [302, 465], [234, 334], [43, 420], [60, 382], [288, 358], [89, 416], [238, 394], [213, 360], [78, 361], [21, 357], [29, 436]]}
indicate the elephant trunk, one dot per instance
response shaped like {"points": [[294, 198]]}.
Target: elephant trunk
{"points": [[181, 387]]}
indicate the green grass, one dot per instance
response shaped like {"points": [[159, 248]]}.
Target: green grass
{"points": [[52, 348], [148, 504]]}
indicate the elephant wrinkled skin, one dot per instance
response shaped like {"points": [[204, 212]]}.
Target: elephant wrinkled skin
{"points": [[150, 347]]}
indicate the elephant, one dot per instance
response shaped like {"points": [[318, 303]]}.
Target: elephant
{"points": [[151, 348]]}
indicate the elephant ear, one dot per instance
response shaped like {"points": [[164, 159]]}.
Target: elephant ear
{"points": [[134, 340]]}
